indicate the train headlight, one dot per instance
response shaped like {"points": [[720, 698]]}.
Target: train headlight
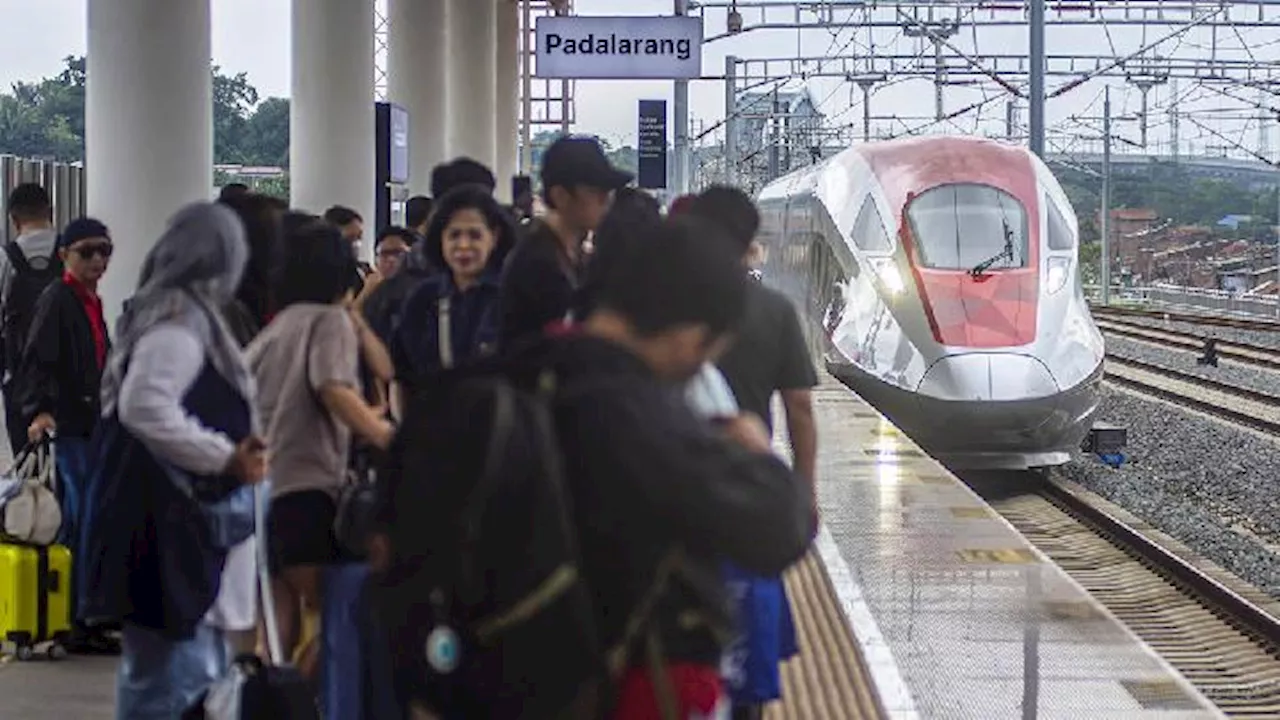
{"points": [[887, 271], [1059, 271]]}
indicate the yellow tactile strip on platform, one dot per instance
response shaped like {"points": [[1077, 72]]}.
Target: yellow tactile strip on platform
{"points": [[829, 680]]}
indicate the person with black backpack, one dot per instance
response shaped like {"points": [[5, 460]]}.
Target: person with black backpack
{"points": [[27, 265], [552, 522]]}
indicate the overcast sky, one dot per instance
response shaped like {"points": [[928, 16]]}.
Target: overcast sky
{"points": [[253, 36]]}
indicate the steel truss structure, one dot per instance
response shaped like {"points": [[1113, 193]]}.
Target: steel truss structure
{"points": [[1193, 76], [543, 102]]}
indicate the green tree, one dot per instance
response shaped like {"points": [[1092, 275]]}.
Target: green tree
{"points": [[233, 102], [266, 133], [45, 119]]}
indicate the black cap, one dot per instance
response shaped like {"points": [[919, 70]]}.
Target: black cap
{"points": [[573, 161], [80, 229]]}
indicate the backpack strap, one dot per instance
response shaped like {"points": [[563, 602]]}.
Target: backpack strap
{"points": [[17, 258], [444, 331]]}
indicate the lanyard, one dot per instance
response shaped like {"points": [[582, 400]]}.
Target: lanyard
{"points": [[444, 336]]}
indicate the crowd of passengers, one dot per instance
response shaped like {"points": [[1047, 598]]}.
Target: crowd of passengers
{"points": [[258, 356]]}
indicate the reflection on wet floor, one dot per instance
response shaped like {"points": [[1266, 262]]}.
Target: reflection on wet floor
{"points": [[974, 622]]}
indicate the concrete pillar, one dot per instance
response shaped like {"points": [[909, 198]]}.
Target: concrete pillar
{"points": [[331, 115], [148, 125], [418, 80], [472, 48], [507, 118]]}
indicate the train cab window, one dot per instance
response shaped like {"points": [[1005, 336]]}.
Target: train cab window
{"points": [[971, 227], [1060, 237], [868, 229]]}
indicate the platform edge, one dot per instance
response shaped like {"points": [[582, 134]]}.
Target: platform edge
{"points": [[894, 694]]}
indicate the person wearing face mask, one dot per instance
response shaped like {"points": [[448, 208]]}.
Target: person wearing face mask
{"points": [[451, 317]]}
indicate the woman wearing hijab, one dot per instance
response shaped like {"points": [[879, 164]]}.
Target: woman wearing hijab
{"points": [[172, 553]]}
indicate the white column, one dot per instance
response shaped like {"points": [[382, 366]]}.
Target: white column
{"points": [[331, 115], [507, 118], [418, 80], [472, 47], [148, 125]]}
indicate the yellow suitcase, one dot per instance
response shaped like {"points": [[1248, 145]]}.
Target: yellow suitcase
{"points": [[35, 599]]}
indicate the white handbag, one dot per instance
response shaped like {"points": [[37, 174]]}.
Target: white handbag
{"points": [[29, 510]]}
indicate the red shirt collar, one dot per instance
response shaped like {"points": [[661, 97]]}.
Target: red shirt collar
{"points": [[81, 290]]}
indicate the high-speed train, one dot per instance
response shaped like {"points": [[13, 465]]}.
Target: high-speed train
{"points": [[938, 280]]}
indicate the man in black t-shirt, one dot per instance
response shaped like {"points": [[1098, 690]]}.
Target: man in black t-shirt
{"points": [[768, 355], [543, 272]]}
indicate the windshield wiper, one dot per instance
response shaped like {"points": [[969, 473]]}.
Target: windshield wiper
{"points": [[1007, 252]]}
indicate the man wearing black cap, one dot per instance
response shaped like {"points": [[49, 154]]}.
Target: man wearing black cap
{"points": [[543, 272], [60, 373]]}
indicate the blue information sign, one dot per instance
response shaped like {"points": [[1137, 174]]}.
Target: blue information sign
{"points": [[399, 170], [651, 148]]}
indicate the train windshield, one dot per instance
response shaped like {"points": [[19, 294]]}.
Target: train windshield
{"points": [[975, 228]]}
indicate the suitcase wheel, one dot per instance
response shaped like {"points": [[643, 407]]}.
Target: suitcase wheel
{"points": [[24, 653], [57, 651]]}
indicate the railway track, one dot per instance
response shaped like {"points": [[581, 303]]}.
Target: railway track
{"points": [[1222, 635], [1257, 355], [1102, 311], [1240, 405]]}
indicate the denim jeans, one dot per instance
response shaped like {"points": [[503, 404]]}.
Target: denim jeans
{"points": [[71, 458], [71, 455], [160, 678]]}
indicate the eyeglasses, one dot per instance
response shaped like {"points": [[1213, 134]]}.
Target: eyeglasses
{"points": [[88, 251], [392, 252]]}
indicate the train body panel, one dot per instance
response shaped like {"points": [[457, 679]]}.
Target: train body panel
{"points": [[937, 277]]}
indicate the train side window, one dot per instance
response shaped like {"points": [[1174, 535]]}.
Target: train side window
{"points": [[1059, 231], [868, 229]]}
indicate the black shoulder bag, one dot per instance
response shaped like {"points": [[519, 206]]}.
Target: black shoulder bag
{"points": [[355, 509]]}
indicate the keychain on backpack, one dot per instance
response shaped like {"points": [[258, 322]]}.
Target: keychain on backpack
{"points": [[443, 647]]}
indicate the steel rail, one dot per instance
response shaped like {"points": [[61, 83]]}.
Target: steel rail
{"points": [[1110, 312], [1243, 352], [1208, 407], [1242, 610]]}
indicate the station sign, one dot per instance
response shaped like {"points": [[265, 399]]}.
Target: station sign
{"points": [[587, 47], [651, 150]]}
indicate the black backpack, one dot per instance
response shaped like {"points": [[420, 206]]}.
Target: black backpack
{"points": [[485, 609], [29, 279]]}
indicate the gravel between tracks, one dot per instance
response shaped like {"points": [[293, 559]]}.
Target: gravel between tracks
{"points": [[1228, 371], [1196, 479]]}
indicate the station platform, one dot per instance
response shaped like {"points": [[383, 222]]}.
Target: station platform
{"points": [[955, 615], [917, 601]]}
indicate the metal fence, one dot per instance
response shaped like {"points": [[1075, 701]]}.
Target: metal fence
{"points": [[1220, 302], [63, 181]]}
